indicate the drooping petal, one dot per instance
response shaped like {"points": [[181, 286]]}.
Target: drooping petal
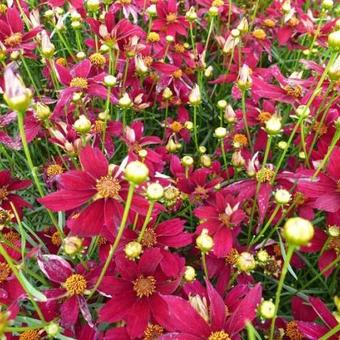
{"points": [[54, 267], [94, 162]]}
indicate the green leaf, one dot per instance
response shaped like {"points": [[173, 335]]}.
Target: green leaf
{"points": [[32, 290]]}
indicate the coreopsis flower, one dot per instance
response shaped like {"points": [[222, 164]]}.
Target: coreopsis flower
{"points": [[211, 317], [168, 20], [73, 284], [140, 290], [8, 187], [13, 35], [222, 216], [98, 190]]}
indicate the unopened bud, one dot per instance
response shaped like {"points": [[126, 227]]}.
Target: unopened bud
{"points": [[245, 262], [72, 245], [125, 101], [267, 309], [82, 124], [282, 196], [133, 250], [204, 242], [154, 191], [298, 231], [136, 172], [220, 132], [189, 274]]}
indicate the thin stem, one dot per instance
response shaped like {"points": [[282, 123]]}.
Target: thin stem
{"points": [[229, 14], [146, 221], [209, 33], [325, 160], [330, 333], [13, 267], [245, 121], [263, 230], [195, 127], [117, 240], [224, 154], [27, 69], [284, 271], [204, 265]]}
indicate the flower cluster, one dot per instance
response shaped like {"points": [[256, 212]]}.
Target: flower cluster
{"points": [[169, 169]]}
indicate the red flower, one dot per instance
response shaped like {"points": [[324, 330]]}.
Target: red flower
{"points": [[168, 20], [8, 187], [222, 218], [218, 320], [100, 191], [137, 292], [12, 33], [73, 285]]}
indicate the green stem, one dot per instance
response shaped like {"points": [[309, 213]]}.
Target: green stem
{"points": [[245, 121], [332, 332], [204, 265], [284, 271], [325, 160], [146, 221], [13, 267], [195, 127], [209, 33], [263, 230], [224, 155], [117, 240], [27, 69]]}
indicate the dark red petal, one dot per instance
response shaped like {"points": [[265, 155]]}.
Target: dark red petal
{"points": [[149, 261], [64, 200], [55, 268], [223, 242], [93, 162], [325, 260], [323, 312], [13, 18], [76, 180], [217, 308], [137, 325], [69, 312]]}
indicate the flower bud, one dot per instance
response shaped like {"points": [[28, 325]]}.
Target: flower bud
{"points": [[172, 146], [334, 40], [76, 25], [152, 10], [136, 172], [302, 111], [220, 132], [170, 39], [52, 329], [195, 96], [267, 309], [235, 33], [204, 242], [229, 114], [213, 11], [81, 55], [244, 80], [237, 159], [47, 48], [243, 25], [245, 262], [16, 95], [282, 145], [142, 153], [93, 5], [222, 104], [125, 101], [154, 192], [205, 161], [141, 68], [72, 245], [82, 124], [327, 4], [334, 70], [77, 97], [282, 196], [110, 81], [189, 125], [189, 274], [167, 93], [298, 231], [202, 149], [273, 125], [133, 250], [262, 257], [187, 161], [191, 15], [75, 16], [42, 111], [104, 49]]}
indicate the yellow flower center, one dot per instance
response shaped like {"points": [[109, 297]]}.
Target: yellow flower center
{"points": [[201, 192], [14, 40], [149, 238], [299, 198], [177, 74], [217, 3], [125, 2], [11, 237], [293, 90], [54, 169], [240, 140], [5, 217], [225, 219], [79, 82], [108, 187], [61, 61], [269, 23], [264, 116], [97, 59], [144, 286], [56, 239], [153, 37], [152, 332], [99, 126], [3, 193], [259, 34], [32, 334], [292, 331], [232, 257], [3, 8], [176, 126], [75, 284], [322, 128], [5, 271], [334, 243], [220, 335], [179, 48], [171, 17], [265, 175]]}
